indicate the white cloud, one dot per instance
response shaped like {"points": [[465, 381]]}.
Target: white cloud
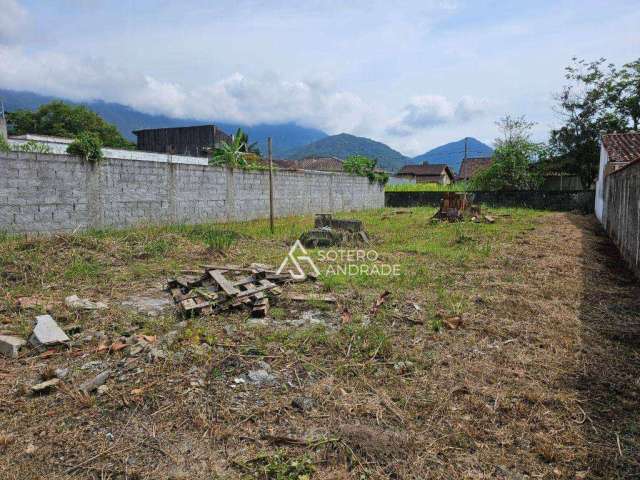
{"points": [[469, 108], [428, 111], [236, 98], [13, 18]]}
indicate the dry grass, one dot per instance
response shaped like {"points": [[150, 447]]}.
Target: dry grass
{"points": [[540, 381]]}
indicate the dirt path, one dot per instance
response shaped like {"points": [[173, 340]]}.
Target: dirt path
{"points": [[558, 387]]}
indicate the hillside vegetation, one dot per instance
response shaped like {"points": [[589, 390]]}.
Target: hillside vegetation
{"points": [[344, 145]]}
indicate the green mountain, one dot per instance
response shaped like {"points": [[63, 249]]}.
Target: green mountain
{"points": [[453, 153], [344, 145], [286, 136]]}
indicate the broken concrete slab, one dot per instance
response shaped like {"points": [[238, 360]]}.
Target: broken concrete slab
{"points": [[94, 383], [45, 386], [47, 332], [260, 377], [10, 345], [148, 305], [77, 303]]}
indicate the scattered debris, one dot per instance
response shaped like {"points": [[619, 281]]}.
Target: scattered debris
{"points": [[216, 290], [155, 354], [10, 345], [453, 323], [328, 231], [73, 301], [94, 365], [47, 332], [303, 404], [260, 377], [94, 383], [403, 367], [102, 389], [61, 373], [313, 297], [25, 303], [45, 386], [379, 301]]}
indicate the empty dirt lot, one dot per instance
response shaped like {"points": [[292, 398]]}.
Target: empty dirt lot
{"points": [[504, 351]]}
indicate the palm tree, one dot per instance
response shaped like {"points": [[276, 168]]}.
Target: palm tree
{"points": [[230, 154], [247, 147], [234, 153]]}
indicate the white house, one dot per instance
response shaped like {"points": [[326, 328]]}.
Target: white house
{"points": [[616, 150]]}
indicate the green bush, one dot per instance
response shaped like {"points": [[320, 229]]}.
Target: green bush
{"points": [[365, 167], [4, 145], [88, 146]]}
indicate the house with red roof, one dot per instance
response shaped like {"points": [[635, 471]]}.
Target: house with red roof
{"points": [[617, 150], [472, 165]]}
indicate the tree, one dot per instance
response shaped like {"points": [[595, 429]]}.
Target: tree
{"points": [[244, 140], [237, 153], [87, 145], [65, 120], [626, 92], [598, 98], [364, 166], [511, 168]]}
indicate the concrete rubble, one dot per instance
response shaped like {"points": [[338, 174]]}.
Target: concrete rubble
{"points": [[148, 305], [93, 383], [77, 303], [45, 386], [10, 345], [47, 332]]}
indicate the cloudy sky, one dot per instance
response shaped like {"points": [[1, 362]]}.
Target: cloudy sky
{"points": [[413, 74]]}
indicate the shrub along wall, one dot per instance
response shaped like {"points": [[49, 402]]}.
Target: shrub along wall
{"points": [[51, 193], [582, 200]]}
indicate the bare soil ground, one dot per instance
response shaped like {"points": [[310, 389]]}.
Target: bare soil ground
{"points": [[540, 380]]}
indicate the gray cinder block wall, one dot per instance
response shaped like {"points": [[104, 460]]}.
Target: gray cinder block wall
{"points": [[56, 193], [621, 215]]}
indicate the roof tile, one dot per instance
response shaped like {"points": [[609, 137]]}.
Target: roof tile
{"points": [[622, 147]]}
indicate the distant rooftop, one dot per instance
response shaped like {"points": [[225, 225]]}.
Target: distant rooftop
{"points": [[426, 169], [472, 165]]}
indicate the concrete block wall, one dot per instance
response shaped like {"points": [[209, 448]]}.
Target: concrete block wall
{"points": [[621, 213], [55, 193]]}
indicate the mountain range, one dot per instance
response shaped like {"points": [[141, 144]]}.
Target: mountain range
{"points": [[290, 140], [343, 145], [285, 136]]}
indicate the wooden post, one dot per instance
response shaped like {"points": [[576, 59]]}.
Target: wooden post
{"points": [[270, 185]]}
